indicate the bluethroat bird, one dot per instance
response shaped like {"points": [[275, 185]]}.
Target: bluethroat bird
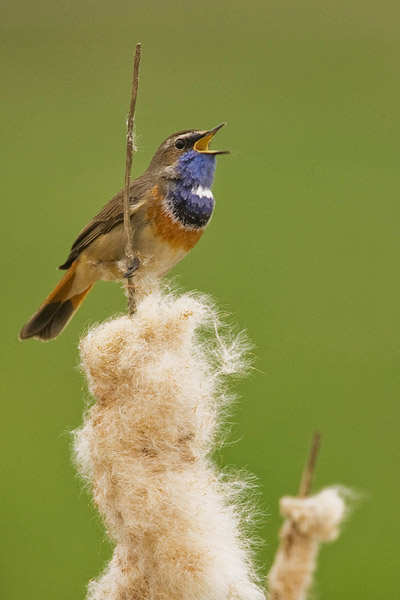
{"points": [[171, 205]]}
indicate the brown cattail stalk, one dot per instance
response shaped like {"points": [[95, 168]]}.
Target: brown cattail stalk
{"points": [[145, 450], [308, 473], [130, 149]]}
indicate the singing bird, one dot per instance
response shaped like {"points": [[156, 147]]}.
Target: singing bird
{"points": [[170, 205]]}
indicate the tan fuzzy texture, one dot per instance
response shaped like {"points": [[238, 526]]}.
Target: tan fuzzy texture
{"points": [[145, 450], [308, 522]]}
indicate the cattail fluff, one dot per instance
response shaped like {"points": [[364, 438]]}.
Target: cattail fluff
{"points": [[308, 522], [145, 450]]}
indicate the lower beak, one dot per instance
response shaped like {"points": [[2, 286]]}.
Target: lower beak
{"points": [[202, 145]]}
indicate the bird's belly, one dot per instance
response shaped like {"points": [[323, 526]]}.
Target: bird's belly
{"points": [[102, 259], [156, 255]]}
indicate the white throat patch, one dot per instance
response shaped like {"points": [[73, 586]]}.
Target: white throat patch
{"points": [[202, 192]]}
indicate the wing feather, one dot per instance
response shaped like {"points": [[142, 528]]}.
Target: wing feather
{"points": [[109, 216]]}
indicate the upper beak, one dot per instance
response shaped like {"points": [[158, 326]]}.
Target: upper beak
{"points": [[202, 145]]}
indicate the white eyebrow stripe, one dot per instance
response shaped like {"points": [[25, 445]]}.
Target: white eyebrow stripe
{"points": [[202, 192]]}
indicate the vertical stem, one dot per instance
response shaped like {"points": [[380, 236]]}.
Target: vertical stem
{"points": [[306, 480], [130, 149]]}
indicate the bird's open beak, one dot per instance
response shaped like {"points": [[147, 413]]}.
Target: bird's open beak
{"points": [[202, 145]]}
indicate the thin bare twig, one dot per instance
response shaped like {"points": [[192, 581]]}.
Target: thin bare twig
{"points": [[306, 479], [130, 150]]}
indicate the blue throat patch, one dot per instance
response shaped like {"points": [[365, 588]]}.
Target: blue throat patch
{"points": [[190, 197], [196, 168]]}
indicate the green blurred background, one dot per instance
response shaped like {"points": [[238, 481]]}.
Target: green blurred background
{"points": [[302, 250]]}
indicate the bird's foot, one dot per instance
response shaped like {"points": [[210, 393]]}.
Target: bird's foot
{"points": [[131, 267]]}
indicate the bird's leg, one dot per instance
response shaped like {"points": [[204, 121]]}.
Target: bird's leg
{"points": [[131, 267]]}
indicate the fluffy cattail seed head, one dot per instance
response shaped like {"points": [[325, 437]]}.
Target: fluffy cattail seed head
{"points": [[145, 450]]}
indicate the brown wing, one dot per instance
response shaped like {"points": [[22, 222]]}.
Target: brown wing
{"points": [[111, 214]]}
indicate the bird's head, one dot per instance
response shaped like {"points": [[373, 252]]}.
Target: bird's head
{"points": [[187, 156]]}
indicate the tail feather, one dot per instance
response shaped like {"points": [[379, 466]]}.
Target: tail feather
{"points": [[56, 311]]}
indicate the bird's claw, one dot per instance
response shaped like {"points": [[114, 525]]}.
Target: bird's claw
{"points": [[131, 267]]}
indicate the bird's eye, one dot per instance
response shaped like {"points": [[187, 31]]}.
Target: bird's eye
{"points": [[180, 144]]}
